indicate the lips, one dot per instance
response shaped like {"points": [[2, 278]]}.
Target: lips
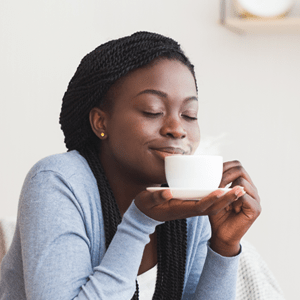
{"points": [[171, 150], [167, 151]]}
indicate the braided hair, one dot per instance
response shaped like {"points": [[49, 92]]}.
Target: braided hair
{"points": [[97, 72]]}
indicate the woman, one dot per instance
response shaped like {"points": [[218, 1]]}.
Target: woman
{"points": [[86, 224]]}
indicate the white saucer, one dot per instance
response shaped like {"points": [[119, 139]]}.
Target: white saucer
{"points": [[186, 193]]}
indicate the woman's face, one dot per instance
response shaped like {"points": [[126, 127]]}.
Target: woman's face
{"points": [[153, 115]]}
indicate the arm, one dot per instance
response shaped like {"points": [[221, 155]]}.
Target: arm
{"points": [[230, 215], [209, 275], [228, 227], [56, 248], [218, 277]]}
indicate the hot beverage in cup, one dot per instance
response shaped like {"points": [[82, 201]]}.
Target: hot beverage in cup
{"points": [[201, 172]]}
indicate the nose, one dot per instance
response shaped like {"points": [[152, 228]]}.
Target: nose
{"points": [[173, 128]]}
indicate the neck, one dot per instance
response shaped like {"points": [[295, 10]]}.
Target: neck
{"points": [[124, 186]]}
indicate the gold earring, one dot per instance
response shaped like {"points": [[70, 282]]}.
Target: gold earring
{"points": [[102, 134]]}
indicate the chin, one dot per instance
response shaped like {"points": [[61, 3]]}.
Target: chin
{"points": [[158, 179]]}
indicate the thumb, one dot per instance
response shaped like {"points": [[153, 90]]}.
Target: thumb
{"points": [[147, 200]]}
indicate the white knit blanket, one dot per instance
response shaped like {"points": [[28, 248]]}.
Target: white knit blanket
{"points": [[7, 229], [255, 280]]}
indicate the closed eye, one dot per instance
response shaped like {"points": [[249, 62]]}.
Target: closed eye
{"points": [[190, 118], [152, 114]]}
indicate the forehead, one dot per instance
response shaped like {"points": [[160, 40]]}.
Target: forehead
{"points": [[169, 76]]}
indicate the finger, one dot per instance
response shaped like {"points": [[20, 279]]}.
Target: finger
{"points": [[180, 209], [226, 200], [159, 197], [147, 200], [237, 205], [232, 174], [205, 203], [250, 207], [249, 188], [230, 164], [229, 207]]}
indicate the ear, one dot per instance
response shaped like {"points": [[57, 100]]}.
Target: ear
{"points": [[98, 120]]}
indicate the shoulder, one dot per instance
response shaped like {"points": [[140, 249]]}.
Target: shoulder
{"points": [[60, 181], [66, 164], [60, 171]]}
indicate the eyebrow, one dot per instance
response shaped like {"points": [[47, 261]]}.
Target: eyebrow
{"points": [[162, 94]]}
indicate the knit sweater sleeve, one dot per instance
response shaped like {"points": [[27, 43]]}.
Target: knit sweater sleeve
{"points": [[56, 249], [218, 278], [219, 274]]}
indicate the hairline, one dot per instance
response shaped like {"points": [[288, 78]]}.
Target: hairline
{"points": [[106, 103]]}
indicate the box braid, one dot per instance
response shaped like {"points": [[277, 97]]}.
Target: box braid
{"points": [[97, 72]]}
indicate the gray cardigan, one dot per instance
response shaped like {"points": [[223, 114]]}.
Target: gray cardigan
{"points": [[58, 250]]}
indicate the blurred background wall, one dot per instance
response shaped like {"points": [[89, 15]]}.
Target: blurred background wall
{"points": [[248, 90]]}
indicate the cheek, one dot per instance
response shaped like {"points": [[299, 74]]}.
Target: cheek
{"points": [[194, 137], [130, 135]]}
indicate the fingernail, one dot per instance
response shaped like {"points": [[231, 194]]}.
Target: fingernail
{"points": [[166, 194], [239, 192]]}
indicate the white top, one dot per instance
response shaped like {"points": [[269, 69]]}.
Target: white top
{"points": [[147, 282]]}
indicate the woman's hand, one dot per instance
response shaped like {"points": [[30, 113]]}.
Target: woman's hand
{"points": [[161, 206], [230, 214], [230, 224]]}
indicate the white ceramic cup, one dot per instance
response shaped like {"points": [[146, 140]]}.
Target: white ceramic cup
{"points": [[194, 171]]}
